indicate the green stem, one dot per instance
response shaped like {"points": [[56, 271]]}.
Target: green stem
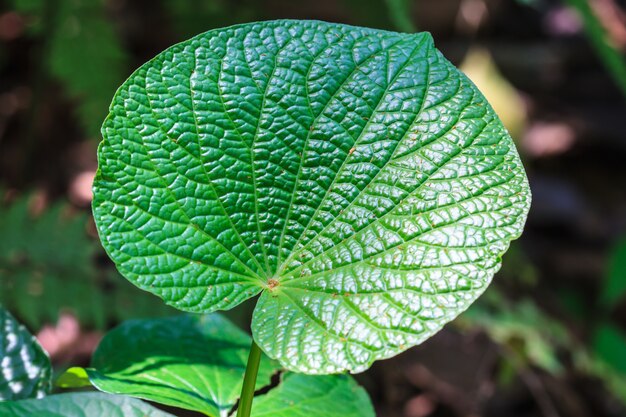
{"points": [[599, 38], [249, 381], [400, 15]]}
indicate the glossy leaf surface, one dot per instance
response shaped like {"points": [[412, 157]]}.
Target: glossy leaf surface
{"points": [[352, 176], [25, 369], [192, 362], [81, 405], [312, 396]]}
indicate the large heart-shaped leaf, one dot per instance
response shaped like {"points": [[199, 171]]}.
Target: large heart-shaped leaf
{"points": [[25, 370], [192, 362], [81, 405], [352, 176], [312, 396]]}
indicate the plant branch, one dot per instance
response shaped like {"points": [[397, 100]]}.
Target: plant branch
{"points": [[249, 381]]}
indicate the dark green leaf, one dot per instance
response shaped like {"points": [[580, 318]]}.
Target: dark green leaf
{"points": [[313, 396], [192, 362], [81, 405], [25, 369], [352, 176], [615, 286], [400, 12], [609, 344]]}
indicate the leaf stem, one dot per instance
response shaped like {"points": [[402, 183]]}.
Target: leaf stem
{"points": [[600, 39], [249, 381]]}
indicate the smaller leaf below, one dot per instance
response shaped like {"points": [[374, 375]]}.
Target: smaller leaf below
{"points": [[312, 396], [75, 377], [191, 362], [81, 405]]}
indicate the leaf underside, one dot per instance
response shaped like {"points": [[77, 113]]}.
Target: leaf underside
{"points": [[81, 405], [191, 362], [25, 370], [353, 177]]}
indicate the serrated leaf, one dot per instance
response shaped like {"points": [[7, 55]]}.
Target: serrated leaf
{"points": [[481, 68], [25, 369], [313, 396], [81, 405], [191, 362], [352, 176]]}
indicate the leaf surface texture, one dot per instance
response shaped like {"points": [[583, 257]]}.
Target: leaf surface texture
{"points": [[353, 177]]}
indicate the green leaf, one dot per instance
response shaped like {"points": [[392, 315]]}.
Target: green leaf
{"points": [[605, 47], [609, 344], [81, 405], [306, 395], [352, 176], [400, 12], [75, 377], [191, 362], [479, 65], [25, 369]]}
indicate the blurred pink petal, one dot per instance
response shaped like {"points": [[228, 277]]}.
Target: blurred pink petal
{"points": [[66, 341], [80, 188], [419, 406], [546, 139], [11, 26]]}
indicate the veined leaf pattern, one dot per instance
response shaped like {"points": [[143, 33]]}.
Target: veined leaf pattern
{"points": [[353, 177]]}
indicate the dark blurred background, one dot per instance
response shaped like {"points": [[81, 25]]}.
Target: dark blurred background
{"points": [[549, 336]]}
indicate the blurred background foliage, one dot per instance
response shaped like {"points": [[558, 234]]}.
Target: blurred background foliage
{"points": [[49, 262], [549, 336]]}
